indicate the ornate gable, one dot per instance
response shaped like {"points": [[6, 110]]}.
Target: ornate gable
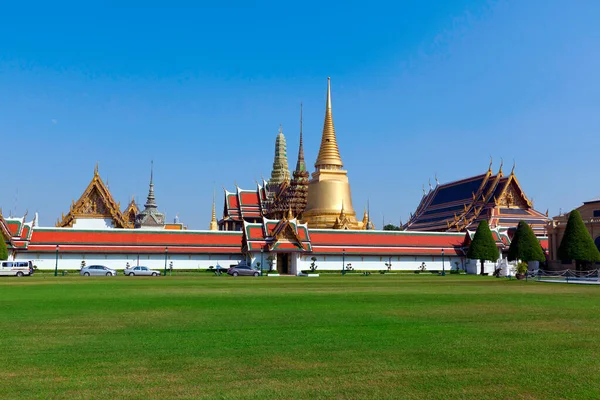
{"points": [[4, 230], [131, 211], [512, 196], [95, 202]]}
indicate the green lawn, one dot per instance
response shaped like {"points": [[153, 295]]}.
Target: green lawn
{"points": [[380, 336]]}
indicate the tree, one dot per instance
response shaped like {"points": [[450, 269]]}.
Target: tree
{"points": [[577, 244], [391, 227], [3, 250], [483, 247], [525, 246]]}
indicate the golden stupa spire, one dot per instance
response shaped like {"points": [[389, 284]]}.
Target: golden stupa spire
{"points": [[329, 154], [213, 221]]}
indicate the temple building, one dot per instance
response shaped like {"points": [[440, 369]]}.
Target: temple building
{"points": [[460, 205], [590, 213], [285, 223]]}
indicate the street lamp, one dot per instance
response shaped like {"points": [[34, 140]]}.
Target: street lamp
{"points": [[262, 250], [343, 261], [166, 252], [56, 265], [443, 266]]}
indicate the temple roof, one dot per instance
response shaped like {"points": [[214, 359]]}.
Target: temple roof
{"points": [[95, 202], [286, 234], [459, 205], [244, 203], [134, 240]]}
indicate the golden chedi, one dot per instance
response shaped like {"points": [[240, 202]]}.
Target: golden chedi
{"points": [[329, 204]]}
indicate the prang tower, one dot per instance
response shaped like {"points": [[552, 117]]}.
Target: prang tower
{"points": [[329, 203]]}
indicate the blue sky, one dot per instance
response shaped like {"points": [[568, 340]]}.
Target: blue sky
{"points": [[418, 88]]}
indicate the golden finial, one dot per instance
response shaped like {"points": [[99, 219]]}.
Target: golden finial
{"points": [[501, 164], [343, 211], [490, 167], [290, 216], [329, 154], [213, 220], [96, 169], [512, 172]]}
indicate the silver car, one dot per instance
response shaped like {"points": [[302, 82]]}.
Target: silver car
{"points": [[145, 271], [242, 269], [97, 270]]}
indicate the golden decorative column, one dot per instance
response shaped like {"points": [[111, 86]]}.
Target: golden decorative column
{"points": [[329, 190]]}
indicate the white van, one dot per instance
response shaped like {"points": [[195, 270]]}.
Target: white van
{"points": [[16, 268]]}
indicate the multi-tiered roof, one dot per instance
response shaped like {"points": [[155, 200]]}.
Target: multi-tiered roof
{"points": [[459, 206]]}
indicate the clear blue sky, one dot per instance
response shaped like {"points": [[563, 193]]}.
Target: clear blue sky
{"points": [[418, 88]]}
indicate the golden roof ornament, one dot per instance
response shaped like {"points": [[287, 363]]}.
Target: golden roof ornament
{"points": [[329, 153], [213, 221], [501, 164]]}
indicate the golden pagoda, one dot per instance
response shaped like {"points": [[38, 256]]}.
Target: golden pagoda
{"points": [[329, 203]]}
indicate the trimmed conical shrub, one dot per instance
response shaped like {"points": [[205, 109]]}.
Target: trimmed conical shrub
{"points": [[577, 244], [3, 249], [525, 246], [483, 247]]}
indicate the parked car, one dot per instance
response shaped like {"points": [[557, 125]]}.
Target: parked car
{"points": [[16, 268], [97, 270], [145, 271], [242, 269]]}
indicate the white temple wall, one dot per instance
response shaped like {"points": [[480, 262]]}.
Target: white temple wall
{"points": [[474, 266], [298, 261], [92, 223], [72, 261], [301, 262]]}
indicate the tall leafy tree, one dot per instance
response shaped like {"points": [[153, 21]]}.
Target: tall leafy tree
{"points": [[391, 227], [483, 247], [3, 249], [525, 245], [577, 244]]}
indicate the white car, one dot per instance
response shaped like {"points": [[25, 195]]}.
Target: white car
{"points": [[16, 268], [144, 271]]}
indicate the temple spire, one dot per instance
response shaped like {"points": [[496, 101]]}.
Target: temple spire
{"points": [[329, 154], [280, 172], [150, 201], [150, 217], [300, 164], [213, 221]]}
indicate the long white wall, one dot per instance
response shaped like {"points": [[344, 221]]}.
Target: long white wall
{"points": [[298, 262], [70, 261], [330, 262]]}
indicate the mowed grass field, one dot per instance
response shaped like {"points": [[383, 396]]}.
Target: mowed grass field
{"points": [[379, 336]]}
